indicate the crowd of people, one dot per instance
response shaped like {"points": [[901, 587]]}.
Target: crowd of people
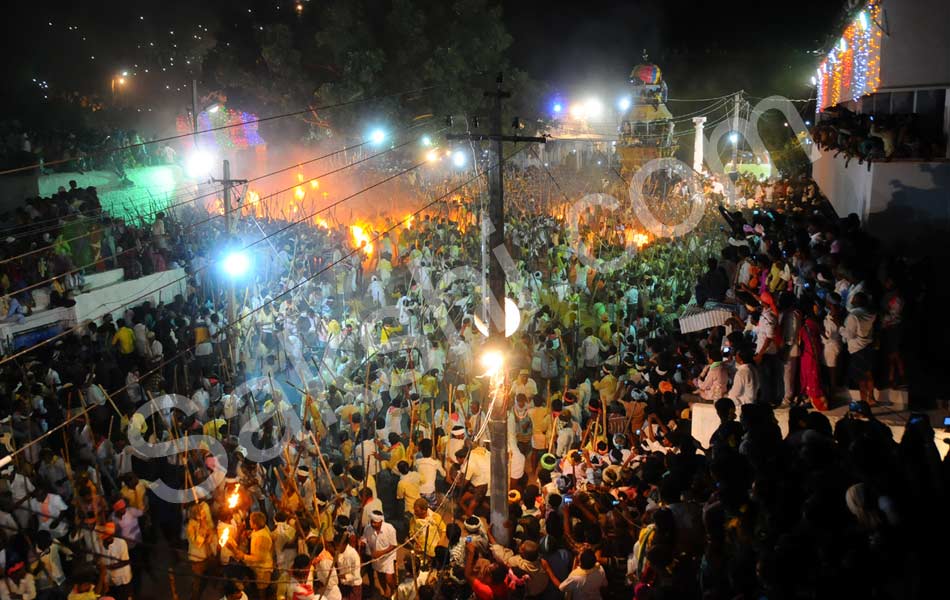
{"points": [[359, 368], [54, 243], [870, 138]]}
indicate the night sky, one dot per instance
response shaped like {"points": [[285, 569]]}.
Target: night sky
{"points": [[703, 48]]}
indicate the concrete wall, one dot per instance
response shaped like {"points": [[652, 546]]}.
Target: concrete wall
{"points": [[848, 189], [915, 48], [909, 204], [902, 203]]}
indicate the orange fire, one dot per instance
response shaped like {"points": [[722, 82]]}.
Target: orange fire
{"points": [[315, 185], [321, 222], [225, 535], [234, 497], [300, 177], [299, 192], [361, 239], [640, 239], [408, 221]]}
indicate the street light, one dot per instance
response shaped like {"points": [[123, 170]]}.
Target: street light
{"points": [[199, 164], [458, 159], [594, 108], [623, 104], [734, 138], [493, 361], [377, 136], [236, 264]]}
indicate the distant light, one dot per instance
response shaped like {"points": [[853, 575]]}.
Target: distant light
{"points": [[432, 156], [578, 111], [121, 80], [814, 80], [125, 73], [557, 107], [842, 45], [458, 158], [426, 141], [623, 104], [863, 20], [734, 137], [199, 164], [807, 122], [593, 108], [786, 123], [236, 264], [377, 137]]}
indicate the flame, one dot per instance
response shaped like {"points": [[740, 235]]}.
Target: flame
{"points": [[315, 184], [216, 206], [300, 177], [640, 239], [361, 239], [253, 197], [408, 221], [223, 538], [321, 222], [299, 192], [234, 497]]}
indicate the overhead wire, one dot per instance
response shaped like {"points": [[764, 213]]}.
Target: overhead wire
{"points": [[309, 109], [214, 193], [243, 316], [6, 359]]}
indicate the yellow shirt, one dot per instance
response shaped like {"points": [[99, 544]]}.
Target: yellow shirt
{"points": [[261, 555], [396, 454], [135, 497], [408, 489], [607, 388], [427, 533], [125, 339]]}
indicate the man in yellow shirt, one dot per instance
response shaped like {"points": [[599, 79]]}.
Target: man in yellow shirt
{"points": [[261, 556], [409, 487], [124, 340], [426, 528]]}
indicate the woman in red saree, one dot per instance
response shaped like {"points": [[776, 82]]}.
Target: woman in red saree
{"points": [[809, 372]]}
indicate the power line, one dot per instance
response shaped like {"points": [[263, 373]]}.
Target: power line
{"points": [[242, 317], [221, 127], [210, 194], [186, 276]]}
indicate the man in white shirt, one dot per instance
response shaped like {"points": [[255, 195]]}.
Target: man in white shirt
{"points": [[745, 384], [478, 475], [18, 584], [587, 581], [524, 385], [381, 544], [591, 347], [348, 566], [113, 555]]}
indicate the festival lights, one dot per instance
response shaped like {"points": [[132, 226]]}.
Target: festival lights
{"points": [[852, 67]]}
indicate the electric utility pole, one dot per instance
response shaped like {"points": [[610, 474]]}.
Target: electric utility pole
{"points": [[735, 147], [227, 184], [498, 422]]}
